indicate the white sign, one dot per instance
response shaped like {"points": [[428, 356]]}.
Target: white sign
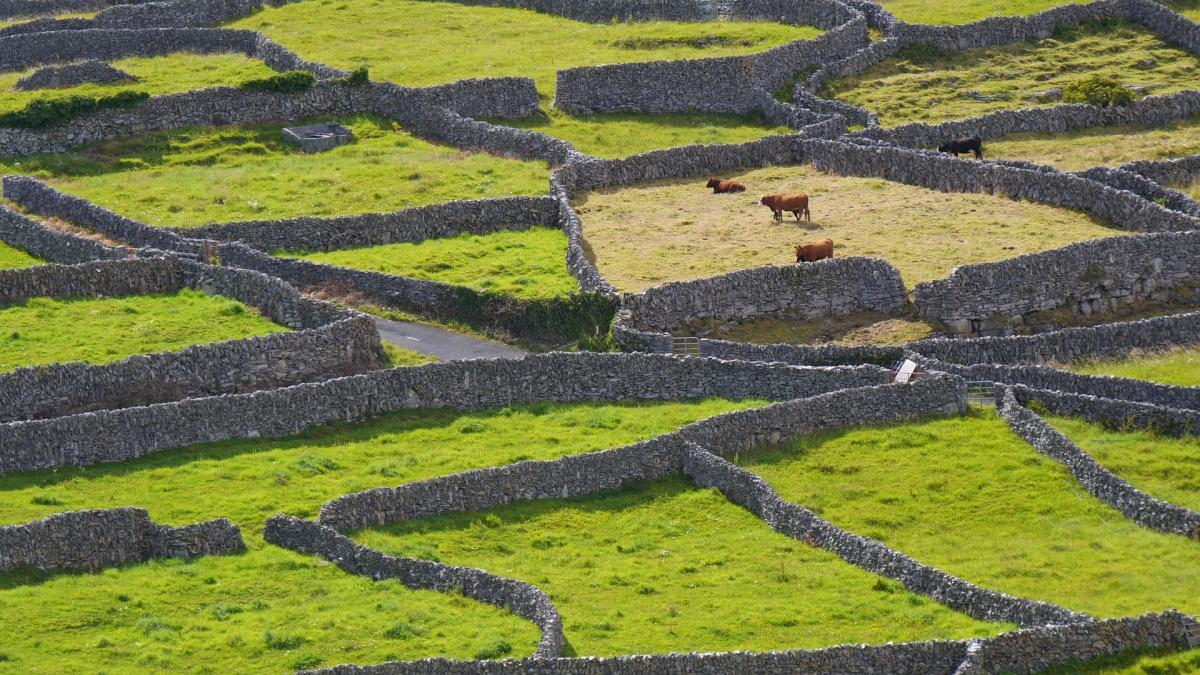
{"points": [[906, 371]]}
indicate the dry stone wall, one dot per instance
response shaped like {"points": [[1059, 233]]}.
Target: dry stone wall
{"points": [[91, 540], [1114, 414], [1069, 344], [373, 229], [71, 75], [327, 341], [122, 434], [1022, 652], [1085, 278], [51, 245], [802, 291], [1097, 480], [518, 597], [1042, 377]]}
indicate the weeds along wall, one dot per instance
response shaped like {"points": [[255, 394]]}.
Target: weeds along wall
{"points": [[51, 245], [1069, 344], [1113, 414], [326, 342], [1023, 651], [1042, 377], [373, 229], [91, 540], [1097, 480], [803, 291], [1085, 278], [118, 435]]}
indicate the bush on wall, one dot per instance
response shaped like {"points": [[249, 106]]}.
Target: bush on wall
{"points": [[42, 113], [291, 82]]}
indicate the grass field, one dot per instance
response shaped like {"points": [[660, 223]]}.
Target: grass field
{"points": [[619, 135], [968, 11], [921, 85], [11, 258], [1161, 466], [212, 614], [406, 41], [968, 496], [526, 264], [1180, 367], [1188, 8], [859, 328], [156, 75], [100, 330], [196, 176], [665, 567], [644, 235], [267, 611], [1100, 146], [399, 357]]}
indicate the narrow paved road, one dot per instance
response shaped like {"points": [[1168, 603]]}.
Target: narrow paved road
{"points": [[444, 344]]}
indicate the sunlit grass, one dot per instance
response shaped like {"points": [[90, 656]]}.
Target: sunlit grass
{"points": [[195, 176], [1162, 466], [668, 567], [1180, 366], [925, 86], [620, 134], [527, 264], [407, 41], [156, 75], [1101, 146], [970, 497], [651, 233], [100, 330], [11, 257], [966, 11]]}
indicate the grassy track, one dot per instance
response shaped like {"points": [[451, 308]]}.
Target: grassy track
{"points": [[156, 75], [1163, 467], [4, 23], [195, 176], [212, 614], [651, 233], [619, 135], [11, 257], [1103, 146], [1180, 367], [666, 566], [966, 11], [925, 86], [968, 496], [406, 41], [526, 264], [100, 330], [1151, 662]]}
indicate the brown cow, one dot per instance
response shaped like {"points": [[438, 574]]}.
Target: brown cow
{"points": [[797, 204], [723, 186], [814, 251]]}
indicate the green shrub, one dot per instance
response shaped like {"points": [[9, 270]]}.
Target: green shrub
{"points": [[494, 651], [291, 82], [1098, 90], [41, 113], [358, 77], [278, 641]]}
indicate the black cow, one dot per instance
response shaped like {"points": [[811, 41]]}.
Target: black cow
{"points": [[959, 146]]}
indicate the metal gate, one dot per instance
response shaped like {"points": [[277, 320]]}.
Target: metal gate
{"points": [[981, 394], [685, 346]]}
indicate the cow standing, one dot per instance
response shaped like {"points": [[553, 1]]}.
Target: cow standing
{"points": [[961, 146], [814, 251], [797, 204]]}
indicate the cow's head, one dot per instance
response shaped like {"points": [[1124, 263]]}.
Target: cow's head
{"points": [[712, 182]]}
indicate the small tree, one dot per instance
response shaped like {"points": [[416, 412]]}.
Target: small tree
{"points": [[1098, 90]]}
